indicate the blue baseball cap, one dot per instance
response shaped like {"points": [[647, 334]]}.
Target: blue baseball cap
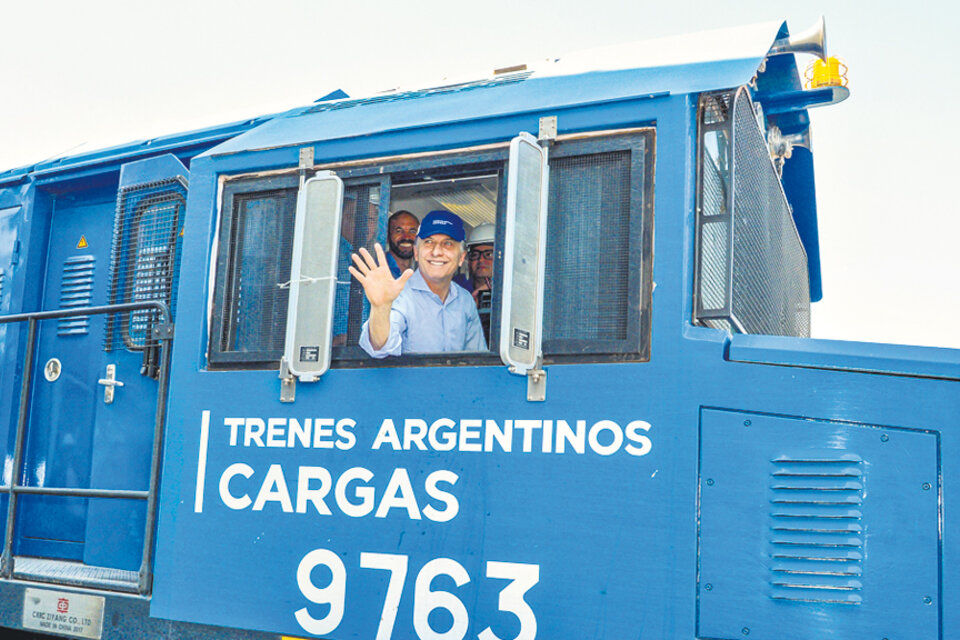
{"points": [[442, 221]]}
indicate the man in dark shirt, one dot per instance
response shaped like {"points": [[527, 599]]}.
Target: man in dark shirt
{"points": [[401, 235]]}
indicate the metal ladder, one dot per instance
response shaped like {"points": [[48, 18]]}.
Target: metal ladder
{"points": [[69, 572]]}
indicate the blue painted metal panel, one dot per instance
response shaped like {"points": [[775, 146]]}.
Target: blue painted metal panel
{"points": [[152, 170], [817, 529], [800, 188], [928, 362], [11, 246]]}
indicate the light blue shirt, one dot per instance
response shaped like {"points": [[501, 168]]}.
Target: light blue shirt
{"points": [[421, 323]]}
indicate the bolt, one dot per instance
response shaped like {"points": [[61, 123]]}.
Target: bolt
{"points": [[708, 587], [884, 438], [927, 600], [747, 423], [926, 486], [709, 482], [745, 631]]}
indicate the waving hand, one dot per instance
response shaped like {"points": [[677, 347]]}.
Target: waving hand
{"points": [[378, 283]]}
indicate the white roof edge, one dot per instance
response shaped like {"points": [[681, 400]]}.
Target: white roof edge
{"points": [[737, 43], [732, 43]]}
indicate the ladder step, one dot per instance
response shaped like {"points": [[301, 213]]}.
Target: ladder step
{"points": [[77, 574]]}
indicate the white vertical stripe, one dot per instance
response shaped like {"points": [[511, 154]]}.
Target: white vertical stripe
{"points": [[202, 461]]}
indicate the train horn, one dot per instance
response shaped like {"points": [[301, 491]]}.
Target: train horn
{"points": [[813, 40]]}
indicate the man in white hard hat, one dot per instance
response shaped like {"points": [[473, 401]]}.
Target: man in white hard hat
{"points": [[479, 262], [480, 266]]}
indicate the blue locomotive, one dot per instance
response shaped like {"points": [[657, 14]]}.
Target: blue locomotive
{"points": [[651, 446]]}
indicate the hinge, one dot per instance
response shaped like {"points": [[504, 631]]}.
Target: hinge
{"points": [[306, 158], [536, 385], [548, 128], [288, 383], [163, 331]]}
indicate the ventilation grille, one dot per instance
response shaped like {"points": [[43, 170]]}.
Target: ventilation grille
{"points": [[76, 291], [3, 276], [145, 262], [816, 530], [410, 95]]}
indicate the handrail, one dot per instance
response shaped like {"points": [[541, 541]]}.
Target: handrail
{"points": [[162, 332], [90, 311]]}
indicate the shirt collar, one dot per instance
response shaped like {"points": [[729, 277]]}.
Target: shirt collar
{"points": [[417, 282]]}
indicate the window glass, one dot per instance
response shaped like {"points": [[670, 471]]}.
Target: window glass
{"points": [[256, 238], [363, 223], [262, 248], [595, 270]]}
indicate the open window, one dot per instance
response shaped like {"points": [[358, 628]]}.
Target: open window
{"points": [[468, 185]]}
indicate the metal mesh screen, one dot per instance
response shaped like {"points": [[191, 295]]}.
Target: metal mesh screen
{"points": [[589, 216], [260, 247], [752, 269], [145, 261]]}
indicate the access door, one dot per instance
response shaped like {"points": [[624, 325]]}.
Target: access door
{"points": [[95, 387]]}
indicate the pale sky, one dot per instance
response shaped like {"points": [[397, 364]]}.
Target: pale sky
{"points": [[79, 76]]}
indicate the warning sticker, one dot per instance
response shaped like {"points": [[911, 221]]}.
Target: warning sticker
{"points": [[63, 613], [83, 242]]}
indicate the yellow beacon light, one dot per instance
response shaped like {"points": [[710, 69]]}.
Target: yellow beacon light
{"points": [[829, 73]]}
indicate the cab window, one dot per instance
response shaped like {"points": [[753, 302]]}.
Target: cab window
{"points": [[597, 274]]}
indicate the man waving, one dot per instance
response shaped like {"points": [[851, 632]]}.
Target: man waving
{"points": [[422, 312]]}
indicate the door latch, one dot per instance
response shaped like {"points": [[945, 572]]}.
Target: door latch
{"points": [[109, 382]]}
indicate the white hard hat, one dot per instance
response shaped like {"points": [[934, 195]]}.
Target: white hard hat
{"points": [[481, 234]]}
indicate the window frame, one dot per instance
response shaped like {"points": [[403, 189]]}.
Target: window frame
{"points": [[393, 172], [225, 275], [636, 345]]}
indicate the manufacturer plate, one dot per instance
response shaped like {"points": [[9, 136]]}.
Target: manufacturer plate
{"points": [[63, 613]]}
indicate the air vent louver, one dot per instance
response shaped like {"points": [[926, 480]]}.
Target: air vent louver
{"points": [[816, 530], [76, 291]]}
